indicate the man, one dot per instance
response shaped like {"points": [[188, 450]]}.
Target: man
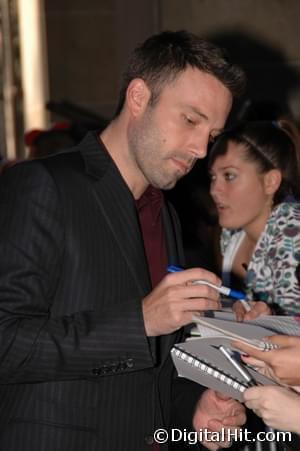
{"points": [[87, 314]]}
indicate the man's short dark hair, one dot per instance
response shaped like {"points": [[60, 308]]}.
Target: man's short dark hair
{"points": [[161, 58]]}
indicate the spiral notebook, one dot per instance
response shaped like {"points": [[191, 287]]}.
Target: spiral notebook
{"points": [[200, 360], [207, 366]]}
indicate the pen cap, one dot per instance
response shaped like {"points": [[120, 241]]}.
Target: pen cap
{"points": [[174, 268]]}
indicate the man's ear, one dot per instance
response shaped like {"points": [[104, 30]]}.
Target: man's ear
{"points": [[272, 181], [137, 96]]}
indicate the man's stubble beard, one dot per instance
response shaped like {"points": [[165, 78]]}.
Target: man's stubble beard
{"points": [[146, 149]]}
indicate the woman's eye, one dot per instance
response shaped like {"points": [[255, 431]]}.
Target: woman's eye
{"points": [[212, 177], [229, 176]]}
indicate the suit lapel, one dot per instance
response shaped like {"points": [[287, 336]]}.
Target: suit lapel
{"points": [[118, 208], [173, 236], [176, 257]]}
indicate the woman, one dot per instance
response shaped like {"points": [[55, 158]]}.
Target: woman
{"points": [[279, 407], [254, 184]]}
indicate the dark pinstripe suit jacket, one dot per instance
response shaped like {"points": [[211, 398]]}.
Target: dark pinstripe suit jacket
{"points": [[77, 372]]}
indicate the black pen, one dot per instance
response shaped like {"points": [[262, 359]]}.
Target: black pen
{"points": [[251, 382]]}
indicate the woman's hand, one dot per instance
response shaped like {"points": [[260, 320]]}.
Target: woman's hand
{"points": [[282, 364], [279, 407], [258, 308]]}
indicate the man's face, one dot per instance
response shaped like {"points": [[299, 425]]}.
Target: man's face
{"points": [[166, 139]]}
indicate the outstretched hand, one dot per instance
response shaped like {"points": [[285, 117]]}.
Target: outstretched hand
{"points": [[282, 365], [279, 407], [258, 308], [215, 411]]}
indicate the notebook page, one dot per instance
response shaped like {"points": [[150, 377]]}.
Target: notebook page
{"points": [[286, 325], [224, 323], [211, 327]]}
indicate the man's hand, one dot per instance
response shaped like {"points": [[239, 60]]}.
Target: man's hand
{"points": [[258, 308], [281, 364], [215, 411], [175, 299], [279, 407]]}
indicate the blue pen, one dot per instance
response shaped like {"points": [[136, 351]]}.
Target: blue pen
{"points": [[223, 290]]}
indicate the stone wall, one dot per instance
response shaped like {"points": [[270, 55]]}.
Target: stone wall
{"points": [[88, 42]]}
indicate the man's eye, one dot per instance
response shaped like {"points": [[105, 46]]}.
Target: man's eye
{"points": [[189, 120]]}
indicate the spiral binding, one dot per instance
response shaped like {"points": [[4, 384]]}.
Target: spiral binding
{"points": [[208, 368]]}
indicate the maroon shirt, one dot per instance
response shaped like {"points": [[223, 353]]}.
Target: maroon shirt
{"points": [[149, 207]]}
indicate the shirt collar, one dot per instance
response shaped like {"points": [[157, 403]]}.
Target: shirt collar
{"points": [[153, 198]]}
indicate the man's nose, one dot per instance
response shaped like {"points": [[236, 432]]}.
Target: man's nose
{"points": [[198, 145]]}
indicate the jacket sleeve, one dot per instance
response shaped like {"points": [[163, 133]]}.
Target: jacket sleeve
{"points": [[34, 345]]}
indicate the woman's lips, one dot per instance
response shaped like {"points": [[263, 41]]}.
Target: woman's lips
{"points": [[221, 208]]}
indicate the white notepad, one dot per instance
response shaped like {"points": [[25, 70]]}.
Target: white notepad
{"points": [[224, 324]]}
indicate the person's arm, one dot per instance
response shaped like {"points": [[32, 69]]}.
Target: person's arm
{"points": [[281, 364], [216, 412], [279, 407], [277, 271], [284, 251], [34, 344], [198, 409], [258, 308]]}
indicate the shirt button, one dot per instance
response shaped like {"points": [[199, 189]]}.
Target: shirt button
{"points": [[129, 363]]}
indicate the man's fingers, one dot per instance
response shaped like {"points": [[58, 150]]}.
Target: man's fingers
{"points": [[218, 426], [222, 396], [235, 420], [189, 275], [200, 291], [215, 425], [198, 305]]}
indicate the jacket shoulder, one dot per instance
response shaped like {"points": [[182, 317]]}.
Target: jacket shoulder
{"points": [[64, 161]]}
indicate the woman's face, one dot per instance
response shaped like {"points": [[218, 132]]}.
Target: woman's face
{"points": [[239, 190]]}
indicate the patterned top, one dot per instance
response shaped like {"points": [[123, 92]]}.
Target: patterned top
{"points": [[271, 275]]}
